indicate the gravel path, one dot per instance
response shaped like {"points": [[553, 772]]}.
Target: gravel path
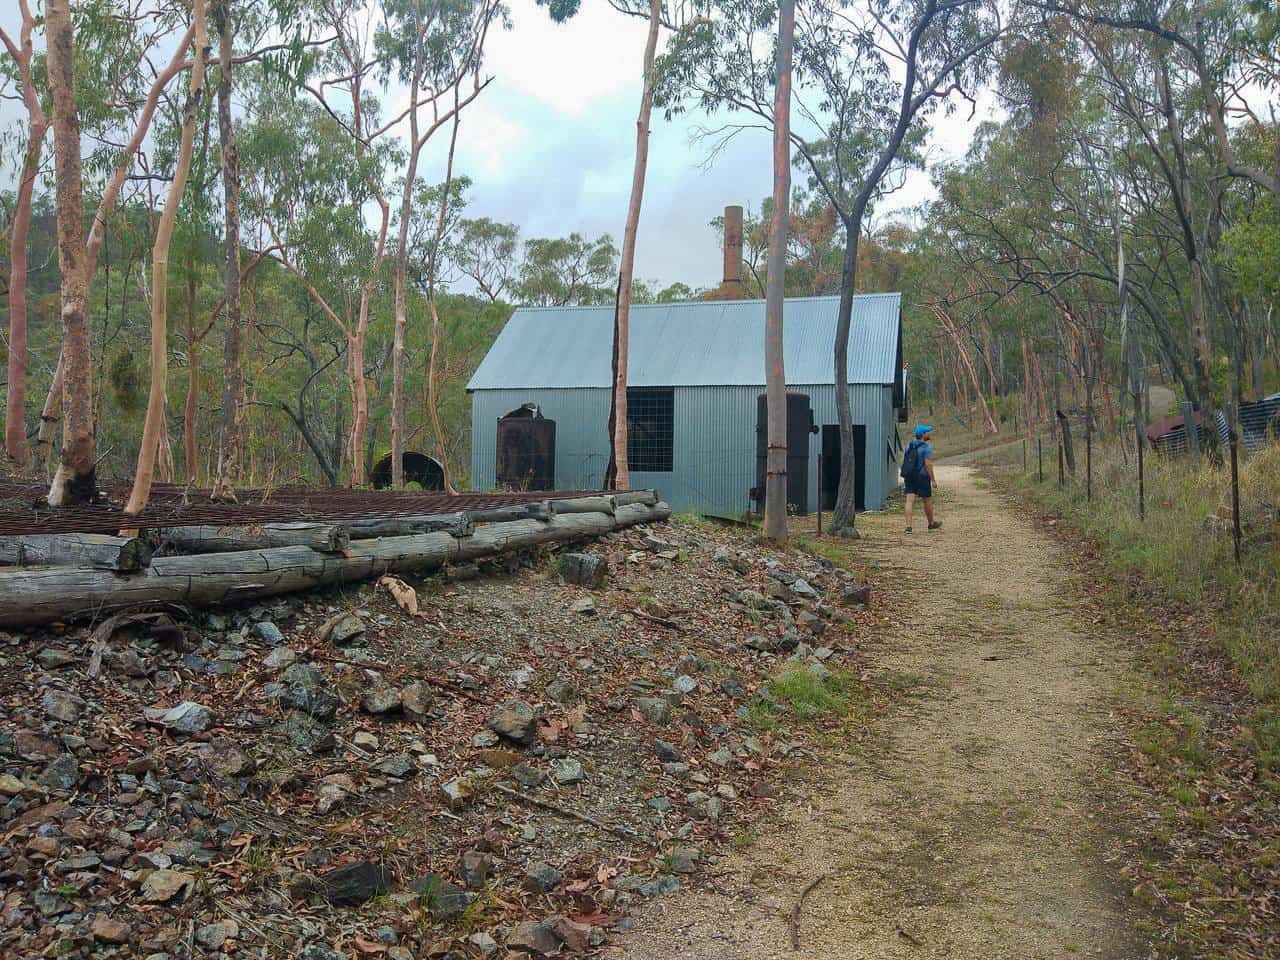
{"points": [[972, 829]]}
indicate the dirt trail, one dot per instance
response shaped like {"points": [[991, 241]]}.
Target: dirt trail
{"points": [[971, 830]]}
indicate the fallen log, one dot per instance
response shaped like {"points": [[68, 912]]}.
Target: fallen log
{"points": [[325, 537], [647, 497], [542, 510], [458, 524], [95, 550], [42, 595], [599, 504]]}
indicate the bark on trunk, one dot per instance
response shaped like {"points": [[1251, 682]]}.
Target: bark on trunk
{"points": [[15, 415], [153, 425], [775, 482], [627, 263], [74, 481], [230, 443], [190, 457]]}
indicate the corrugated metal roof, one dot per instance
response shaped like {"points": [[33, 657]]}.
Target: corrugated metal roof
{"points": [[703, 343]]}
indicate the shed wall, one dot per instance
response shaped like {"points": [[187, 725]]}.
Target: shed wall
{"points": [[714, 440]]}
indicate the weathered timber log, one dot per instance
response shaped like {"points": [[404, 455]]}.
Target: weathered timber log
{"points": [[543, 510], [458, 524], [647, 497], [42, 595], [94, 550], [598, 504], [325, 537]]}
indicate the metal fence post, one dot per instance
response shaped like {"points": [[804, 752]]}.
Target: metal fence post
{"points": [[1088, 461], [1040, 458], [1062, 477], [1235, 492], [821, 488], [1142, 492], [1024, 455]]}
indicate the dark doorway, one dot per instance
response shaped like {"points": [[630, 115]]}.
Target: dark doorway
{"points": [[799, 426], [830, 476]]}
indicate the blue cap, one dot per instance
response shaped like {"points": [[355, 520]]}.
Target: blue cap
{"points": [[923, 429]]}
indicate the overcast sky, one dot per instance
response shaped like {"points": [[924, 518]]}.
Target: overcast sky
{"points": [[551, 146], [551, 143]]}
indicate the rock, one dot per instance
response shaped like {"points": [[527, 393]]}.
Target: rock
{"points": [[62, 705], [758, 641], [50, 904], [33, 745], [484, 943], [576, 937], [381, 700], [107, 930], [584, 569], [365, 740], [279, 658], [342, 630], [187, 717], [859, 595], [714, 808], [11, 786], [225, 758], [303, 687], [561, 691], [354, 883], [51, 658], [515, 721], [542, 877], [721, 758], [132, 664], [823, 653], [566, 771], [761, 790], [62, 773], [802, 588], [535, 938], [399, 765], [333, 789], [684, 684], [722, 555], [666, 751], [654, 709], [212, 936], [476, 868], [684, 859], [776, 591], [416, 700], [782, 576], [811, 622], [457, 792], [584, 605], [527, 775], [161, 886], [308, 733], [661, 886], [817, 669], [268, 631], [444, 900], [314, 951]]}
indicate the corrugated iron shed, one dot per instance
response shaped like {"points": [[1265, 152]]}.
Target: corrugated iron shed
{"points": [[703, 343]]}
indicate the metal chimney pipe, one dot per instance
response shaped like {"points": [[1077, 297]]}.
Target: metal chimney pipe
{"points": [[732, 284]]}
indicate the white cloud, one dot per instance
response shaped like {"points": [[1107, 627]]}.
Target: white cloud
{"points": [[568, 66]]}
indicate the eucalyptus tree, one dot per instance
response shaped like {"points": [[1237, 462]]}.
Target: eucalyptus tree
{"points": [[19, 67], [153, 425], [484, 250], [868, 76], [436, 49], [120, 61], [566, 271], [75, 479]]}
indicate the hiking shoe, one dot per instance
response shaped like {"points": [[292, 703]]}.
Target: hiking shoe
{"points": [[935, 525]]}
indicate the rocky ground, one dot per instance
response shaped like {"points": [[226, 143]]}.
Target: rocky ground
{"points": [[548, 743]]}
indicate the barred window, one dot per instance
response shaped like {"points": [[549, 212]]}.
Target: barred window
{"points": [[650, 422]]}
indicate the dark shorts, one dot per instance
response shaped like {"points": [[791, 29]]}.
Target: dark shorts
{"points": [[920, 487]]}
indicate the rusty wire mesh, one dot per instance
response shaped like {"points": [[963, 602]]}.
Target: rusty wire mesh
{"points": [[23, 509]]}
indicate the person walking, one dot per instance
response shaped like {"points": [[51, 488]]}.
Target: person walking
{"points": [[918, 479]]}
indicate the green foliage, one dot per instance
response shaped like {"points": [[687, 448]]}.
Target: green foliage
{"points": [[567, 271]]}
